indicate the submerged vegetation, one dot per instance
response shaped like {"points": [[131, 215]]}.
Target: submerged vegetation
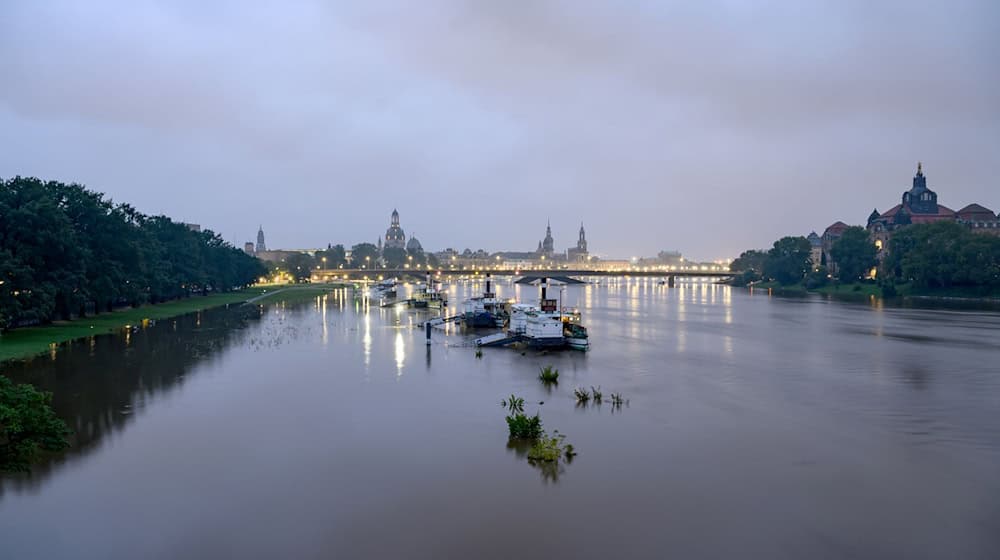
{"points": [[549, 375], [524, 427], [583, 397], [596, 394], [28, 426], [548, 448], [527, 438], [617, 400], [513, 403]]}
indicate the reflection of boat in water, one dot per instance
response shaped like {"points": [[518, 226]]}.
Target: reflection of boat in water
{"points": [[485, 311]]}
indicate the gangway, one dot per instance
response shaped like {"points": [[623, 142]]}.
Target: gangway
{"points": [[499, 339], [442, 320]]}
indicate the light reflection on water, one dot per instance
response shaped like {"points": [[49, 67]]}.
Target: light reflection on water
{"points": [[757, 426], [400, 352]]}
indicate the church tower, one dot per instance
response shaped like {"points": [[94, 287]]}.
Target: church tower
{"points": [[260, 239], [579, 253], [548, 244]]}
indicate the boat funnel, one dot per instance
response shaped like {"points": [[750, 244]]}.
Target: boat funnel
{"points": [[488, 283], [545, 285]]}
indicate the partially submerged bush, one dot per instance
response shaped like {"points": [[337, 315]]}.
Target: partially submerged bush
{"points": [[524, 427], [28, 426], [549, 374], [582, 396], [550, 449]]}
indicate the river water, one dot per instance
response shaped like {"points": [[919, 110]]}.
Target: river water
{"points": [[754, 427]]}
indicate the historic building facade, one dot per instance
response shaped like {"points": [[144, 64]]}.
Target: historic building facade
{"points": [[815, 250], [830, 235], [919, 205]]}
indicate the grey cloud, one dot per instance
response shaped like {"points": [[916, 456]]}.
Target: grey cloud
{"points": [[707, 127]]}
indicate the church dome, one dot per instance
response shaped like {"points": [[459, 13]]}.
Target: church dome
{"points": [[413, 245], [394, 236]]}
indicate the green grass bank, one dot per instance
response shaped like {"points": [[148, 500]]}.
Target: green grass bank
{"points": [[30, 341]]}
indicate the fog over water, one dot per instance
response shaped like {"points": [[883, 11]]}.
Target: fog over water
{"points": [[754, 427]]}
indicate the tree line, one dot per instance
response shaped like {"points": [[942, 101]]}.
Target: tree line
{"points": [[300, 265], [927, 257], [66, 251]]}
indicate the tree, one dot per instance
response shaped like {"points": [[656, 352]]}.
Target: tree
{"points": [[66, 251], [942, 255], [416, 257], [299, 266], [788, 261], [854, 254], [335, 256], [750, 265], [432, 260], [364, 255], [27, 426], [394, 257]]}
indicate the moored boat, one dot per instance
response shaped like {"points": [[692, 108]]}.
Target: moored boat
{"points": [[484, 311], [576, 336], [384, 289], [430, 296]]}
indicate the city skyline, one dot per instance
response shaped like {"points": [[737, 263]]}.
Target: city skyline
{"points": [[709, 129]]}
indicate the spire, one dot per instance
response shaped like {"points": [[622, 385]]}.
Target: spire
{"points": [[261, 246], [920, 168]]}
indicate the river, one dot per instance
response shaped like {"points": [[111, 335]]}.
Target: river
{"points": [[754, 427]]}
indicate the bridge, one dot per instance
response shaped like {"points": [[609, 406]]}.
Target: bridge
{"points": [[374, 273]]}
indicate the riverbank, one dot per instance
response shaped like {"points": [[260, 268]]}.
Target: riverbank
{"points": [[31, 341], [867, 290]]}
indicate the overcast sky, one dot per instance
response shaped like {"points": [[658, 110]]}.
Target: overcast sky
{"points": [[707, 127]]}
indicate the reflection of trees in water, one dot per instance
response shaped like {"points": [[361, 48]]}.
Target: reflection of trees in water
{"points": [[98, 382], [549, 470]]}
